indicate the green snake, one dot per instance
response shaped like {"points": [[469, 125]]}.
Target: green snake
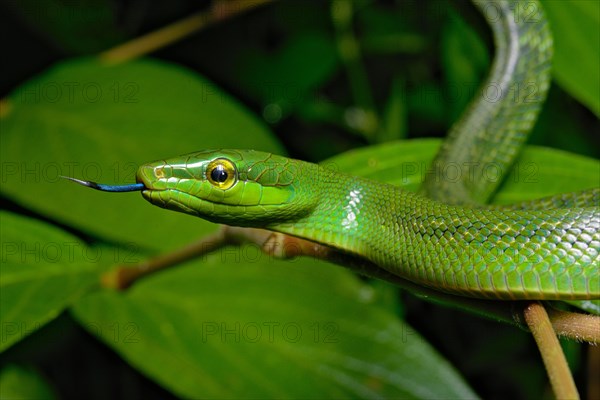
{"points": [[442, 238]]}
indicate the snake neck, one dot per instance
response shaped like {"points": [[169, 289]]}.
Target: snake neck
{"points": [[352, 214]]}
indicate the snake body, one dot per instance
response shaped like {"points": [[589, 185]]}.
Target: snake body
{"points": [[442, 238], [476, 252], [492, 130]]}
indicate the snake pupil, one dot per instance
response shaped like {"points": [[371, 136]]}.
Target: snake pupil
{"points": [[219, 174]]}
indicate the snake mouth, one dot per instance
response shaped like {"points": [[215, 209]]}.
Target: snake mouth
{"points": [[177, 200], [165, 196], [173, 199]]}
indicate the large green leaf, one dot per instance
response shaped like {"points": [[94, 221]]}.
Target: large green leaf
{"points": [[43, 270], [234, 299], [18, 383], [46, 139], [98, 122], [538, 172], [576, 29], [542, 171], [47, 136], [241, 325]]}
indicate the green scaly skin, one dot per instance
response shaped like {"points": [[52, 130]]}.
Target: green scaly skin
{"points": [[550, 254], [493, 129], [544, 249]]}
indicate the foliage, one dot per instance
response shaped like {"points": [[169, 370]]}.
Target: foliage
{"points": [[238, 323]]}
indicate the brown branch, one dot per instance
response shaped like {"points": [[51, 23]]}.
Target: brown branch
{"points": [[581, 327]]}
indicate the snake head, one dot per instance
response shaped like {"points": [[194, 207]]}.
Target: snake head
{"points": [[234, 187]]}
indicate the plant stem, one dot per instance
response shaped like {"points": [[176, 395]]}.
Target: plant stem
{"points": [[551, 351]]}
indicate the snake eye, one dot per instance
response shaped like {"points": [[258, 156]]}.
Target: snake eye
{"points": [[221, 173]]}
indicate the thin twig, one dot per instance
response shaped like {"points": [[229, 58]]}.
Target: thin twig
{"points": [[176, 31], [122, 277]]}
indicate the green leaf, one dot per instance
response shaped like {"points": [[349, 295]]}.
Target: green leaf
{"points": [[591, 306], [401, 163], [18, 383], [240, 324], [43, 271], [541, 172], [44, 132], [98, 122], [538, 172], [576, 29]]}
